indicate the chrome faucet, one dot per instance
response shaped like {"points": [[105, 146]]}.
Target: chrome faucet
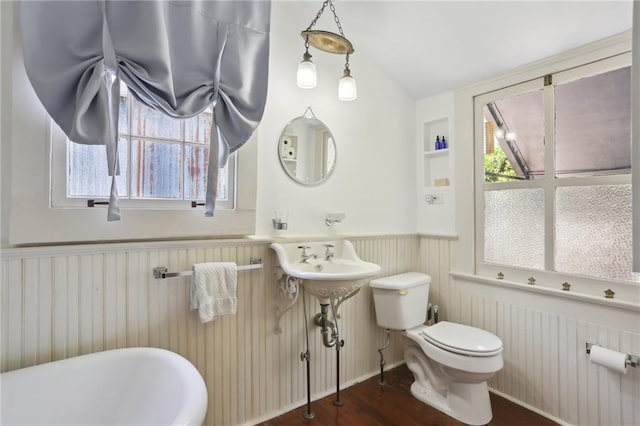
{"points": [[304, 256], [328, 254]]}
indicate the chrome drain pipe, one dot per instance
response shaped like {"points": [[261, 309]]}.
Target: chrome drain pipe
{"points": [[331, 338], [329, 328]]}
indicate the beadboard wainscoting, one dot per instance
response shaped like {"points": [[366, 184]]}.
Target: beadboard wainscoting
{"points": [[546, 367], [60, 302]]}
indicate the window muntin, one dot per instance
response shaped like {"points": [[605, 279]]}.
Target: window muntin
{"points": [[161, 158], [498, 212]]}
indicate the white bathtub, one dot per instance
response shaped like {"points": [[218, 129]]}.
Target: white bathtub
{"points": [[135, 386]]}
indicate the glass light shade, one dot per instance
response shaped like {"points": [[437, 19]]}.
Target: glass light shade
{"points": [[347, 89], [307, 77]]}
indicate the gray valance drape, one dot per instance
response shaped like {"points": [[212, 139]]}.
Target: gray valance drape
{"points": [[178, 57]]}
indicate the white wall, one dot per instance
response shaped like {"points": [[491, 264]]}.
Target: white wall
{"points": [[373, 182], [435, 219]]}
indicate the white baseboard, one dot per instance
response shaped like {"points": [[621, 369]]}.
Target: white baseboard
{"points": [[530, 407]]}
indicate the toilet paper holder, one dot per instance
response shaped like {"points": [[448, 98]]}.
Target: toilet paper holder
{"points": [[633, 359]]}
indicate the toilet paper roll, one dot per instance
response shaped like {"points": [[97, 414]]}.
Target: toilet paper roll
{"points": [[610, 359]]}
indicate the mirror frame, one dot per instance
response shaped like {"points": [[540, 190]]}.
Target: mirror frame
{"points": [[281, 160]]}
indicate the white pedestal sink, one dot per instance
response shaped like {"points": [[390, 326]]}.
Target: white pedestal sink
{"points": [[331, 271], [328, 270]]}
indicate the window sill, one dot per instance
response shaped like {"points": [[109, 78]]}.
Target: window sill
{"points": [[542, 289], [56, 225]]}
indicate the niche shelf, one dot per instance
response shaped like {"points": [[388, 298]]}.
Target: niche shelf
{"points": [[436, 164], [438, 153]]}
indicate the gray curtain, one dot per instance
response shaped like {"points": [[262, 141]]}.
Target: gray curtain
{"points": [[178, 57]]}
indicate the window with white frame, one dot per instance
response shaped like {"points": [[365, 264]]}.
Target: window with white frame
{"points": [[163, 162], [553, 182]]}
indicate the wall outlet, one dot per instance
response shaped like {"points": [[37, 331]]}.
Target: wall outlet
{"points": [[433, 198]]}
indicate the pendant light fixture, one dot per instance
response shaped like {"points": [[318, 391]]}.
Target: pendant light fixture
{"points": [[347, 89], [331, 43], [307, 78]]}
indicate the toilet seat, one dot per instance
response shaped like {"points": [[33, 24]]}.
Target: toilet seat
{"points": [[462, 339], [477, 362]]}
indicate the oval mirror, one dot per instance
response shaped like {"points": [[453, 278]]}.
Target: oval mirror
{"points": [[307, 151]]}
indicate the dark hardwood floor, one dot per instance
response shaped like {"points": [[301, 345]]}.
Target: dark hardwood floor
{"points": [[369, 403]]}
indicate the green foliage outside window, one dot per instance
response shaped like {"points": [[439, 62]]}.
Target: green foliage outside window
{"points": [[497, 166]]}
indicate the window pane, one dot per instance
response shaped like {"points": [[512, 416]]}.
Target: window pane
{"points": [[593, 125], [514, 138], [593, 231], [153, 124], [223, 182], [123, 120], [514, 227], [198, 129], [195, 172], [155, 169], [87, 172], [158, 169]]}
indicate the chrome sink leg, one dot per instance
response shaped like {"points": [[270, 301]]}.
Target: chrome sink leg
{"points": [[306, 356], [339, 344], [337, 401]]}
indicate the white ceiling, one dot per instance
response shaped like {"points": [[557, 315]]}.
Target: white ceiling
{"points": [[430, 47]]}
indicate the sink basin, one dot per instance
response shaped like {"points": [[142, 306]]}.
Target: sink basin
{"points": [[337, 277]]}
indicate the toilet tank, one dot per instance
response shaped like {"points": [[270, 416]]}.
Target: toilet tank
{"points": [[401, 300]]}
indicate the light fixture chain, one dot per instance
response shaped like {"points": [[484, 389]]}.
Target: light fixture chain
{"points": [[335, 17], [319, 14], [321, 11]]}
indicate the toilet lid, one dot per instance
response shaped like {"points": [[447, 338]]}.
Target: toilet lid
{"points": [[462, 339]]}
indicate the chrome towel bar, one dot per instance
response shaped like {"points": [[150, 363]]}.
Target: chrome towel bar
{"points": [[160, 272]]}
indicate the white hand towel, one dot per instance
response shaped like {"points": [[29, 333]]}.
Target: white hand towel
{"points": [[213, 289]]}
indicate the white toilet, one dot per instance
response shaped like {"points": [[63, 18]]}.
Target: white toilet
{"points": [[451, 363]]}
